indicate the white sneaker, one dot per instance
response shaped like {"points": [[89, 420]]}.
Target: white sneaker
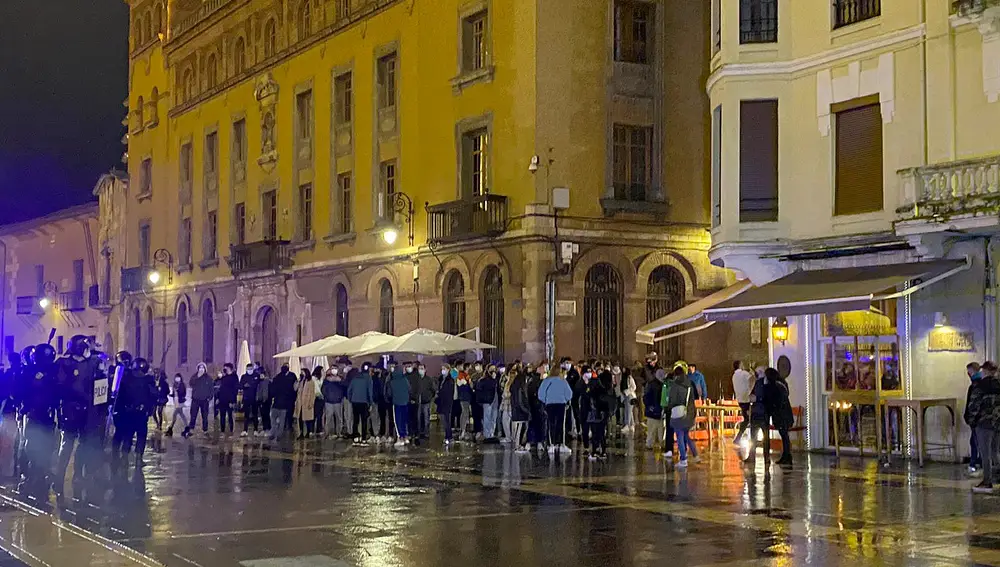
{"points": [[975, 473], [552, 449], [522, 451], [668, 455], [244, 434], [682, 464], [400, 443], [565, 450], [696, 459]]}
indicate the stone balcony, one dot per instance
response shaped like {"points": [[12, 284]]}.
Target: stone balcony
{"points": [[957, 195], [476, 217], [266, 256]]}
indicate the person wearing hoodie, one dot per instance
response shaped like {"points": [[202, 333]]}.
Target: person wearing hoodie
{"points": [[179, 397], [333, 390], [361, 395], [251, 409], [162, 397], [654, 409], [601, 401], [281, 392], [680, 405], [202, 390], [447, 395], [229, 386], [555, 393], [572, 378], [698, 379], [382, 416], [464, 384], [486, 397], [982, 412], [398, 396], [426, 394]]}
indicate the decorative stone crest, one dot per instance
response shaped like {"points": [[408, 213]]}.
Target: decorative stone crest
{"points": [[266, 93]]}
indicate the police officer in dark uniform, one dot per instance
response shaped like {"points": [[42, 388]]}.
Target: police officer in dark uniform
{"points": [[83, 397], [39, 405], [21, 379], [134, 402]]}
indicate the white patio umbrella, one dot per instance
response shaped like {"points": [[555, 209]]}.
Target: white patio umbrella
{"points": [[427, 342], [370, 341], [311, 349], [294, 363], [243, 358], [321, 361]]}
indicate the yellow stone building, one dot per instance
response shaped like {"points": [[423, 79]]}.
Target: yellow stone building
{"points": [[275, 147]]}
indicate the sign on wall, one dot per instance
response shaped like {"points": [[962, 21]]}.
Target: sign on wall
{"points": [[565, 308], [950, 340]]}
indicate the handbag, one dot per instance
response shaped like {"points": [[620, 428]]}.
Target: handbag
{"points": [[679, 412]]}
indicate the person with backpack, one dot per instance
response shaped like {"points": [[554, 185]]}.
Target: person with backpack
{"points": [[982, 413], [780, 410], [680, 403], [651, 399]]}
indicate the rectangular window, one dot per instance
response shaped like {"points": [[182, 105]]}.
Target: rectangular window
{"points": [[758, 160], [633, 31], [303, 114], [847, 12], [211, 153], [858, 169], [146, 176], [78, 275], [39, 280], [270, 210], [240, 223], [346, 203], [475, 163], [212, 235], [344, 101], [758, 21], [306, 211], [716, 166], [145, 244], [631, 161], [387, 81], [387, 185], [186, 170], [475, 54], [239, 149], [716, 26], [185, 243]]}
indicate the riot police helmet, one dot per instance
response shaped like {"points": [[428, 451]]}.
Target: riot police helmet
{"points": [[79, 345], [140, 365], [43, 354], [26, 353], [124, 358]]}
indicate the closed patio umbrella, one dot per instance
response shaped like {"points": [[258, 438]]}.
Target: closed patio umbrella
{"points": [[370, 341], [427, 342]]}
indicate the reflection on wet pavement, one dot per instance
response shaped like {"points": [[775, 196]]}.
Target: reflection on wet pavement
{"points": [[228, 503]]}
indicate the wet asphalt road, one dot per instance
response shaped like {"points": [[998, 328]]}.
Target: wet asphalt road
{"points": [[213, 502]]}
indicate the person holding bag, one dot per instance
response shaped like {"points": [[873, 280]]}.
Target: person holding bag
{"points": [[680, 402]]}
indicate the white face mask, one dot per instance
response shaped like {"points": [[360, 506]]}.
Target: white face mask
{"points": [[587, 375], [407, 370], [616, 370], [334, 371], [421, 371], [479, 368], [566, 366], [444, 372]]}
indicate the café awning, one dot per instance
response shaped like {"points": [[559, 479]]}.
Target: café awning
{"points": [[832, 290], [691, 312]]}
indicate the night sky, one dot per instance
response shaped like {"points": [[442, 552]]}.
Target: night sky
{"points": [[63, 77]]}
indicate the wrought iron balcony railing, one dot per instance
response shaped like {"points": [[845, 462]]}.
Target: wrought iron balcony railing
{"points": [[134, 279], [207, 8], [72, 301], [28, 305], [480, 216], [972, 8], [847, 12], [98, 296], [956, 187], [263, 256]]}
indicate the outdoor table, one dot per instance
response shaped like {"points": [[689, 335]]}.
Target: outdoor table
{"points": [[719, 410], [919, 407]]}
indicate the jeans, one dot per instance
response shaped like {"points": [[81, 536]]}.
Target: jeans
{"points": [[490, 420], [987, 440], [385, 414], [745, 413], [654, 432], [627, 412], [517, 432], [278, 417], [505, 423], [786, 445], [318, 406], [764, 428], [599, 431], [556, 414], [360, 412], [130, 424], [199, 406], [446, 419], [179, 411], [250, 411], [402, 415], [333, 417], [226, 416], [685, 443], [463, 418], [265, 415], [974, 460], [424, 419]]}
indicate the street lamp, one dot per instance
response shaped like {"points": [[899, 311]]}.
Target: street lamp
{"points": [[399, 203], [161, 257], [49, 290], [154, 277], [44, 303]]}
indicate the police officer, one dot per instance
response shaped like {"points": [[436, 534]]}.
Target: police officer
{"points": [[83, 393], [135, 400], [39, 405], [21, 378]]}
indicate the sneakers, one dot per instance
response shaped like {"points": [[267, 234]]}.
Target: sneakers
{"points": [[682, 464], [696, 459], [400, 443], [552, 449], [170, 432], [983, 487], [522, 451], [975, 473], [592, 457], [565, 450], [244, 434], [668, 455]]}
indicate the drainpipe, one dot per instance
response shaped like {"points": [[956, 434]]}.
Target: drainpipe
{"points": [[990, 314], [551, 295]]}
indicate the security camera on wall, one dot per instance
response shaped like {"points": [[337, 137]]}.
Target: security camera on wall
{"points": [[533, 166]]}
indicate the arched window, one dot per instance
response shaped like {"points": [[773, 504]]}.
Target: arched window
{"points": [[270, 39], [137, 323], [139, 108], [207, 331], [343, 314], [154, 103], [149, 335], [454, 303], [305, 19], [211, 72], [137, 32], [239, 56], [182, 334], [491, 319], [386, 310], [187, 85], [665, 294], [147, 27], [602, 307]]}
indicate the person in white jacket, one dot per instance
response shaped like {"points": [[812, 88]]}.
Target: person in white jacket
{"points": [[628, 397]]}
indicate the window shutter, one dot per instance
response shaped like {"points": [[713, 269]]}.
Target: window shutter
{"points": [[758, 160], [859, 183]]}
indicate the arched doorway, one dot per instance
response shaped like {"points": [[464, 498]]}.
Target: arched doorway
{"points": [[491, 319], [664, 295], [268, 337], [602, 310], [454, 303]]}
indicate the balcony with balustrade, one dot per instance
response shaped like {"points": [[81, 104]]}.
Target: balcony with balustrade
{"points": [[478, 217], [72, 301], [135, 279], [957, 195], [29, 305], [260, 257]]}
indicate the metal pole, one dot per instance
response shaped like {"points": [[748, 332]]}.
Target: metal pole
{"points": [[3, 313]]}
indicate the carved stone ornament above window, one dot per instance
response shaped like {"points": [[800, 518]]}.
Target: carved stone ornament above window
{"points": [[985, 14], [266, 92]]}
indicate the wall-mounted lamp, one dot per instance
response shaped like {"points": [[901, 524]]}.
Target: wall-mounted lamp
{"points": [[399, 203], [779, 329], [162, 260]]}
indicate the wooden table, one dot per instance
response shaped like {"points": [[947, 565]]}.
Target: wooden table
{"points": [[719, 410], [919, 407]]}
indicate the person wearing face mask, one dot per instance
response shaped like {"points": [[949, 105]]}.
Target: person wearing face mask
{"points": [[475, 375], [361, 396], [447, 394], [506, 435], [520, 408], [555, 393], [486, 398], [229, 386], [464, 385], [282, 395], [263, 400], [398, 396], [572, 378], [536, 425], [202, 391], [251, 409], [178, 396], [627, 385], [427, 388], [582, 394], [333, 390], [652, 398]]}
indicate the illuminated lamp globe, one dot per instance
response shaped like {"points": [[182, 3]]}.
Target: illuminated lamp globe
{"points": [[154, 277], [390, 235], [44, 303], [779, 329]]}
